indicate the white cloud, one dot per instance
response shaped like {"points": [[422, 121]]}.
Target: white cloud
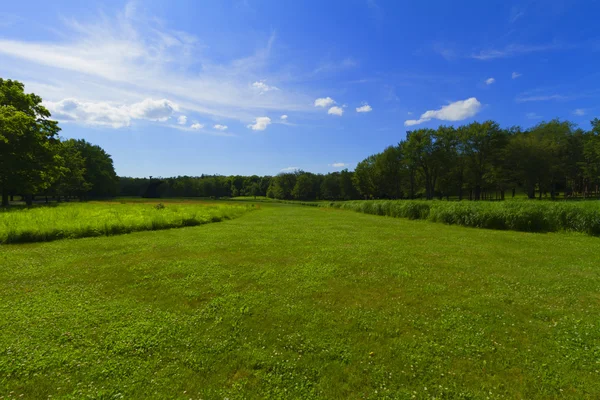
{"points": [[220, 127], [410, 113], [456, 111], [515, 75], [579, 111], [289, 169], [364, 109], [514, 50], [262, 87], [90, 113], [324, 102], [154, 110], [130, 57], [533, 115], [283, 117], [197, 126], [182, 120], [339, 111], [489, 81], [338, 165], [110, 114], [260, 124], [523, 99]]}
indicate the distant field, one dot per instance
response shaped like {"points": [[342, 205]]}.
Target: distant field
{"points": [[292, 302], [77, 220]]}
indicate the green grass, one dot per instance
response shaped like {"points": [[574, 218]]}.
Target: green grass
{"points": [[518, 215], [77, 220], [298, 302]]}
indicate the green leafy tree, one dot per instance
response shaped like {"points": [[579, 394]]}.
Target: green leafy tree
{"points": [[27, 160]]}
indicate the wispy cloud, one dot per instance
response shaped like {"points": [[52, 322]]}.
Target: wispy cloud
{"points": [[579, 112], [489, 81], [516, 13], [182, 120], [457, 111], [339, 165], [289, 169], [532, 115], [524, 99], [515, 75], [515, 50], [141, 57]]}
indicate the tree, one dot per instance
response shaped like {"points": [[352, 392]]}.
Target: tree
{"points": [[99, 169], [71, 178], [27, 135]]}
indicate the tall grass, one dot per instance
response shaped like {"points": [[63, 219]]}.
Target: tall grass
{"points": [[77, 220], [527, 216]]}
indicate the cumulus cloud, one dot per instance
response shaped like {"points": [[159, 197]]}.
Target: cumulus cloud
{"points": [[579, 111], [260, 124], [220, 127], [283, 117], [197, 126], [153, 110], [339, 111], [262, 87], [456, 111], [489, 81], [110, 114], [515, 75], [324, 102], [338, 165], [289, 169], [364, 109], [90, 113], [182, 120]]}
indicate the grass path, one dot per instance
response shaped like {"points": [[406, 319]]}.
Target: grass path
{"points": [[303, 302]]}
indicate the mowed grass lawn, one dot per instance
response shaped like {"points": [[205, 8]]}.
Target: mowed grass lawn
{"points": [[303, 302]]}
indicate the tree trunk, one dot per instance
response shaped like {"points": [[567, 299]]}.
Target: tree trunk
{"points": [[12, 198], [477, 192], [4, 198], [531, 191], [29, 199]]}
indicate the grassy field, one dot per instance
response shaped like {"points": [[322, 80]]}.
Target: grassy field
{"points": [[519, 215], [77, 220], [298, 302]]}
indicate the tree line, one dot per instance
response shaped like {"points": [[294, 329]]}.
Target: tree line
{"points": [[478, 161], [483, 161], [34, 160]]}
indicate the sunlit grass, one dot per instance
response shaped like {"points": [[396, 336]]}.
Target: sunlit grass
{"points": [[518, 215], [295, 302], [77, 220]]}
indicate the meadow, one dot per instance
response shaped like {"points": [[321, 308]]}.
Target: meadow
{"points": [[292, 302], [77, 220]]}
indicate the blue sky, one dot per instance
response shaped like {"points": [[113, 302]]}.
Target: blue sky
{"points": [[257, 87]]}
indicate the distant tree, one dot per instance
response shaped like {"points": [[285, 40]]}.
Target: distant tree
{"points": [[99, 170]]}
